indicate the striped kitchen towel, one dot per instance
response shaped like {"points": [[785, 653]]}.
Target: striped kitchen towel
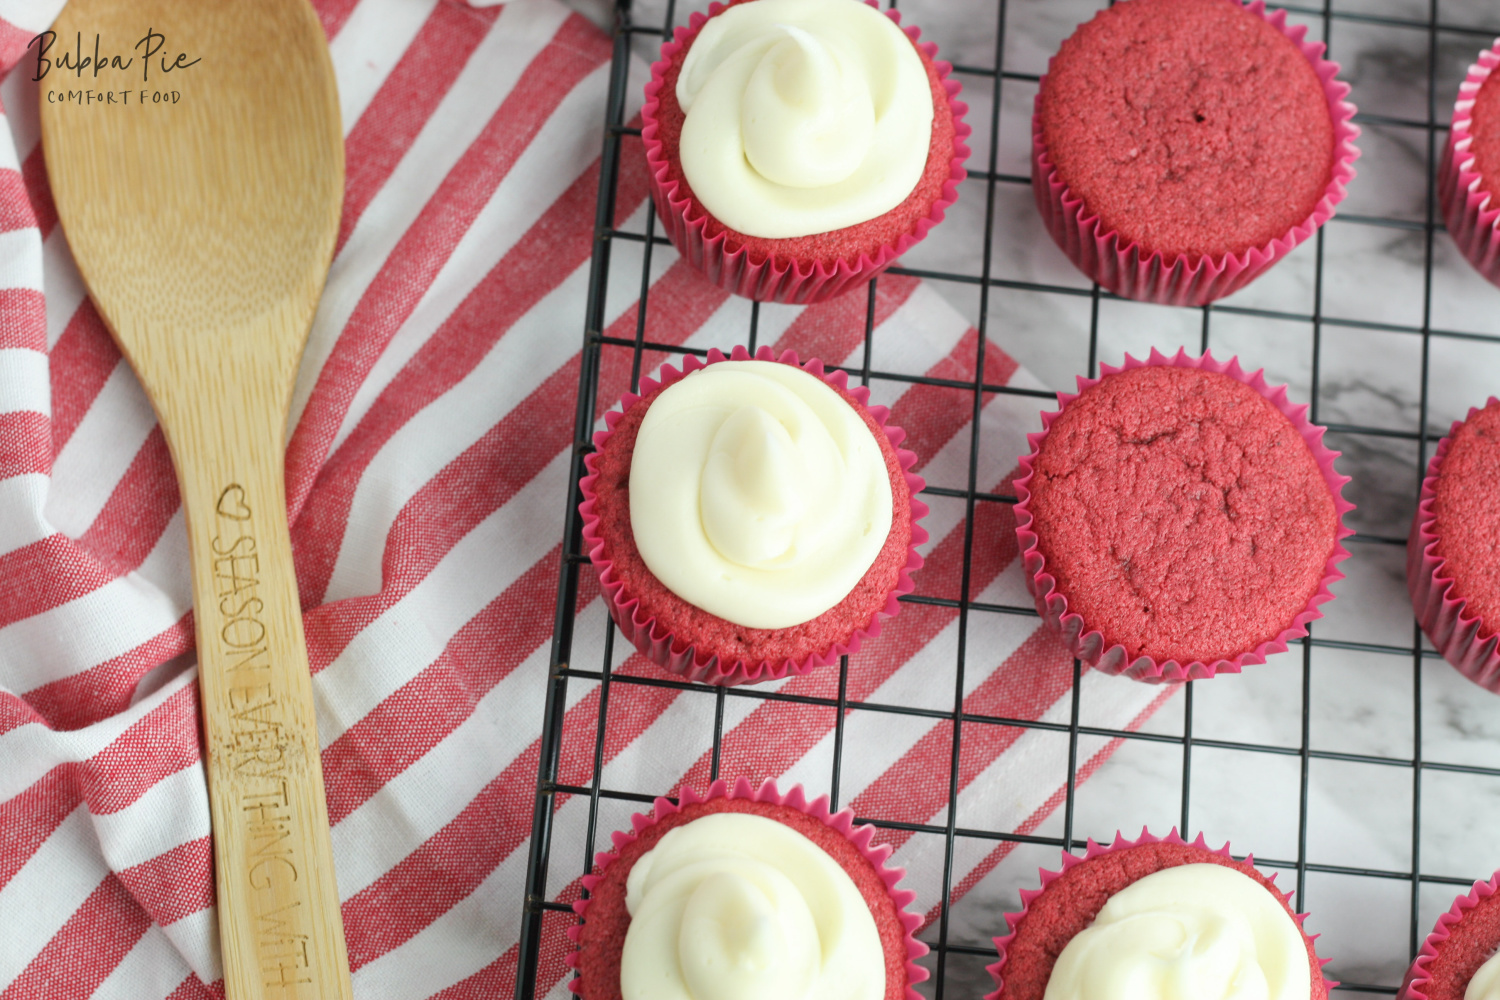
{"points": [[426, 471]]}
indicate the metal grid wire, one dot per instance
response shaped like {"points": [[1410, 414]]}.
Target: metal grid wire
{"points": [[983, 172]]}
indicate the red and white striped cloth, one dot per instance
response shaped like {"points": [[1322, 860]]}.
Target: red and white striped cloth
{"points": [[429, 458]]}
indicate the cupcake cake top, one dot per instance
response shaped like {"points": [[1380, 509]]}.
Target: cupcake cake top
{"points": [[1458, 960], [1197, 930], [1466, 515], [734, 906], [1191, 127], [1484, 126], [1181, 513], [746, 894], [802, 116], [1156, 918]]}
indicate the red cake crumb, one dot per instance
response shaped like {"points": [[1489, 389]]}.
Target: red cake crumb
{"points": [[1071, 902], [1485, 128], [839, 244], [714, 635], [1471, 942], [607, 919], [1466, 517], [1191, 127], [1181, 514]]}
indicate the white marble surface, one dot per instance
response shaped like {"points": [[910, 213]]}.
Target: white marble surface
{"points": [[1358, 814]]}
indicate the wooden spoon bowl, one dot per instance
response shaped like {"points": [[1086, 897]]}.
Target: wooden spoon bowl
{"points": [[203, 227]]}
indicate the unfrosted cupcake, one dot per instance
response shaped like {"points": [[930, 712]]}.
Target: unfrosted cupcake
{"points": [[1469, 178], [1179, 517], [1458, 960], [1180, 147], [750, 518], [797, 147], [1453, 554], [749, 894], [1168, 917]]}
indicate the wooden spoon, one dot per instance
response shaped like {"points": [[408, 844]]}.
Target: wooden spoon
{"points": [[203, 222]]}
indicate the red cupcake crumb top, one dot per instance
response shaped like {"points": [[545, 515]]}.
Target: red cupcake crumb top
{"points": [[1072, 901], [1485, 128], [1466, 516], [711, 634], [1181, 514], [1191, 127], [607, 919], [1471, 942], [828, 248]]}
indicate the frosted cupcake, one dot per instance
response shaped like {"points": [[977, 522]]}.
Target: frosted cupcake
{"points": [[1469, 178], [750, 518], [1167, 917], [797, 147], [1458, 960], [1178, 518], [746, 894], [1181, 147], [1453, 554]]}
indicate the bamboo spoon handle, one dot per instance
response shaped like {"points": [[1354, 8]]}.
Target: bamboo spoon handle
{"points": [[279, 919]]}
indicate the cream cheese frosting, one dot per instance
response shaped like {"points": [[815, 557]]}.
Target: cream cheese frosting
{"points": [[734, 906], [1485, 983], [757, 493], [802, 116], [1192, 932]]}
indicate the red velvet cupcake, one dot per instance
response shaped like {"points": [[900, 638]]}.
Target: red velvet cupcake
{"points": [[1464, 940], [607, 918], [1181, 147], [1453, 554], [1179, 517], [815, 250], [1073, 901], [713, 637], [1469, 178]]}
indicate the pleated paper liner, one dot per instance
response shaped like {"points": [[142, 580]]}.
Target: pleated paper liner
{"points": [[1465, 640], [1471, 212]]}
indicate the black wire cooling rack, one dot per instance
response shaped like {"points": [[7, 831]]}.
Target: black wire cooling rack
{"points": [[1452, 37]]}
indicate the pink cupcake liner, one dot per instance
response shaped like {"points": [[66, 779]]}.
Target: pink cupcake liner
{"points": [[842, 822], [661, 645], [1455, 634], [1414, 987], [1471, 213], [1126, 270], [1013, 920], [1088, 644], [780, 279]]}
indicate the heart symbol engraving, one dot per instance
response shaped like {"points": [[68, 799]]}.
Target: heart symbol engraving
{"points": [[232, 503]]}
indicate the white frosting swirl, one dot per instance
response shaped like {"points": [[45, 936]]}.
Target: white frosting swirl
{"points": [[803, 116], [757, 493], [1485, 983], [1193, 932], [739, 907]]}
